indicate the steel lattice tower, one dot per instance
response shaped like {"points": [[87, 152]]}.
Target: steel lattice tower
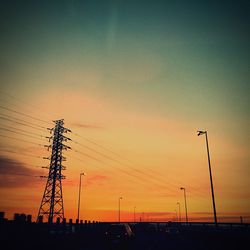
{"points": [[52, 201]]}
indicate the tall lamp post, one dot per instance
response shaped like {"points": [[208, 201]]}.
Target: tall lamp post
{"points": [[134, 213], [182, 188], [210, 174], [119, 209], [79, 197], [178, 203], [176, 214]]}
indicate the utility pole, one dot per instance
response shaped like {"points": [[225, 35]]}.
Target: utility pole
{"points": [[241, 219], [52, 201], [210, 174], [79, 197], [176, 215], [182, 188], [178, 203], [119, 209], [134, 213]]}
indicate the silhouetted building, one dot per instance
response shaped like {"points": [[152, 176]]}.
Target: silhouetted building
{"points": [[40, 219], [2, 215], [29, 218], [16, 217], [22, 217]]}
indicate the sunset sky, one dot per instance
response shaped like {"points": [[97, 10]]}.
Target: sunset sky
{"points": [[134, 81]]}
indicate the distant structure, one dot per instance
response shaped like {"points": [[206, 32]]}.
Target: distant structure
{"points": [[22, 217], [52, 201]]}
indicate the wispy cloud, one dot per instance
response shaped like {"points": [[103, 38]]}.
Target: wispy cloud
{"points": [[89, 180], [87, 126], [95, 179], [15, 174]]}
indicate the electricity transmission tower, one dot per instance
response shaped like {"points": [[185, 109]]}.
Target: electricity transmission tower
{"points": [[52, 201]]}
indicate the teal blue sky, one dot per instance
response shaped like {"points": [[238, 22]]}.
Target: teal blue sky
{"points": [[171, 57]]}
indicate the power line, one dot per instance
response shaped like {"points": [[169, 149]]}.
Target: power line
{"points": [[11, 120], [110, 172], [152, 179], [145, 181], [89, 156], [146, 175], [110, 158], [19, 133], [22, 102], [20, 113], [13, 138], [24, 175], [25, 131], [22, 120], [152, 173], [26, 165], [19, 153], [97, 152], [97, 144], [154, 176], [82, 160], [122, 171]]}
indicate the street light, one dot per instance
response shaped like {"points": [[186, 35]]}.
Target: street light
{"points": [[210, 174], [134, 213], [119, 212], [79, 197], [176, 215], [178, 203], [182, 188]]}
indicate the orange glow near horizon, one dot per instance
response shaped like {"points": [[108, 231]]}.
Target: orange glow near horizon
{"points": [[143, 158]]}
